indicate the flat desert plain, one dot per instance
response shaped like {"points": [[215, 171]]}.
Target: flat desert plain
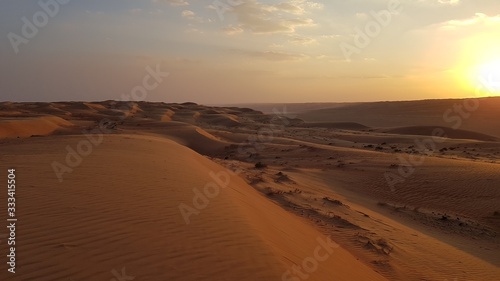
{"points": [[156, 191]]}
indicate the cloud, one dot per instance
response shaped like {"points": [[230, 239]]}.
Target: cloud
{"points": [[477, 19], [176, 3], [449, 2], [190, 15], [284, 17], [270, 55], [302, 40], [232, 30], [290, 8], [440, 2]]}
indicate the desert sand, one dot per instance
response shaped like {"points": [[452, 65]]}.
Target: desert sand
{"points": [[155, 191]]}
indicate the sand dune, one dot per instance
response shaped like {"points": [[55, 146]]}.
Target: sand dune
{"points": [[416, 113], [336, 125], [91, 225], [26, 127], [193, 137], [449, 132], [227, 120], [129, 167], [167, 116]]}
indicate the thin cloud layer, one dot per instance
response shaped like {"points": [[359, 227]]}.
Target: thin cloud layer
{"points": [[269, 55], [176, 3], [285, 17], [477, 19]]}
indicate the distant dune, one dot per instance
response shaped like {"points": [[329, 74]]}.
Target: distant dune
{"points": [[336, 125], [449, 132], [415, 113]]}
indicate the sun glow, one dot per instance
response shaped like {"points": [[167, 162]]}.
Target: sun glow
{"points": [[489, 77], [479, 69]]}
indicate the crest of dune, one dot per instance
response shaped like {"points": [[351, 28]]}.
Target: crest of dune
{"points": [[28, 126]]}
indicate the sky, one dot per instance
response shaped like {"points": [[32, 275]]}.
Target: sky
{"points": [[248, 51]]}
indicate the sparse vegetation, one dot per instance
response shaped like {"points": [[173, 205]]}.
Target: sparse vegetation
{"points": [[260, 165], [269, 191], [382, 204], [444, 217], [333, 201], [399, 208], [281, 177], [298, 191]]}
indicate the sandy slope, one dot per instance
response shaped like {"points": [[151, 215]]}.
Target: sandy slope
{"points": [[28, 126], [120, 209]]}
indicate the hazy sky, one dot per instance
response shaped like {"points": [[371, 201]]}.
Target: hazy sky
{"points": [[238, 51]]}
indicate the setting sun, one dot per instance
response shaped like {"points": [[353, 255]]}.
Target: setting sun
{"points": [[478, 70], [489, 76]]}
